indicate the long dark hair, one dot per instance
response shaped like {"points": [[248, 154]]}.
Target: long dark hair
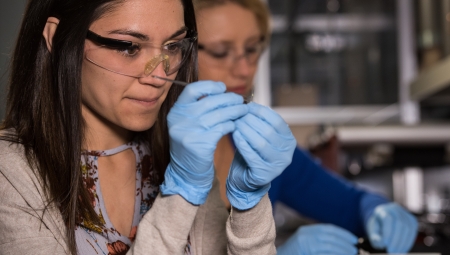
{"points": [[44, 101]]}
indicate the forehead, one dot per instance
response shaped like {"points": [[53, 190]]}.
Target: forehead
{"points": [[234, 22], [151, 17]]}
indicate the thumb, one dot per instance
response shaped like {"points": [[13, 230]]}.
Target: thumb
{"points": [[199, 89], [374, 232]]}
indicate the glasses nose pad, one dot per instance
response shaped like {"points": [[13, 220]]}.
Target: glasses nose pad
{"points": [[154, 62], [166, 65]]}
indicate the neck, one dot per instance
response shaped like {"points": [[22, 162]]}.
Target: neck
{"points": [[101, 134]]}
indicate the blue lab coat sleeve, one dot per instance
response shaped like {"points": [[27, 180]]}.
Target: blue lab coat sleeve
{"points": [[317, 193]]}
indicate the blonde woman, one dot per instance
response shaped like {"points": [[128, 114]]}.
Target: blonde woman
{"points": [[232, 35]]}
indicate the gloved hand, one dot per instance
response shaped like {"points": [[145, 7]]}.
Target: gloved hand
{"points": [[320, 239], [202, 115], [265, 147], [391, 227]]}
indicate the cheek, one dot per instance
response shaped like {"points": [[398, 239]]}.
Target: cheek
{"points": [[139, 120], [207, 72], [94, 89], [101, 91], [253, 71], [88, 83], [107, 95]]}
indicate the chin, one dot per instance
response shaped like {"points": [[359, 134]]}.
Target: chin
{"points": [[140, 125]]}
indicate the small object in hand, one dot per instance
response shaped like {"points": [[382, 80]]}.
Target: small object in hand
{"points": [[247, 99], [365, 248], [182, 83]]}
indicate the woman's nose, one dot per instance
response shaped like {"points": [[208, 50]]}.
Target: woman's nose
{"points": [[242, 67], [159, 69]]}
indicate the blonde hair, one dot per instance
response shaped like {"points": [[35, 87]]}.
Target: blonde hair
{"points": [[258, 8]]}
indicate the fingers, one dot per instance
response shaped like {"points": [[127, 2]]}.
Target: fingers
{"points": [[404, 232], [219, 130], [271, 117], [209, 104], [335, 247], [393, 228], [221, 115], [343, 234], [270, 146], [387, 223], [194, 91], [262, 130], [213, 102], [244, 147], [402, 239], [266, 132], [332, 239], [374, 233], [212, 135], [394, 242], [333, 232], [191, 136], [411, 232], [254, 140]]}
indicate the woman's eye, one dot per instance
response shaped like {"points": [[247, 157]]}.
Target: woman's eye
{"points": [[173, 47], [130, 51], [252, 50], [218, 54]]}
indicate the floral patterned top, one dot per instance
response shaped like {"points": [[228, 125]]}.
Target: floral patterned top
{"points": [[104, 239]]}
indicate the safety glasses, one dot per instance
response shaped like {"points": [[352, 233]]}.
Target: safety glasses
{"points": [[135, 59]]}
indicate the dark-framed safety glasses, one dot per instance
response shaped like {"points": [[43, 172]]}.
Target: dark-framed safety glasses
{"points": [[135, 59]]}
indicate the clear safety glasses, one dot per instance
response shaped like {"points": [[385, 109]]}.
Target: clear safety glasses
{"points": [[137, 59], [227, 57]]}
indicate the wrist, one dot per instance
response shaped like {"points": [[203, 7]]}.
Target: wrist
{"points": [[244, 200], [175, 184], [368, 203]]}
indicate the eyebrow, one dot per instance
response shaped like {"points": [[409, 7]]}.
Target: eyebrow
{"points": [[144, 37], [255, 38], [179, 32], [231, 43]]}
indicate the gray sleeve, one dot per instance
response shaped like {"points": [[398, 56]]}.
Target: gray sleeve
{"points": [[208, 234], [165, 228], [252, 231], [21, 229], [243, 232]]}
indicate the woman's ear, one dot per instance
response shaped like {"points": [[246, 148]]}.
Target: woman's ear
{"points": [[49, 31]]}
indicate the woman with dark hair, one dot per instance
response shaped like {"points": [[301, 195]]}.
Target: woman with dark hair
{"points": [[101, 154], [232, 35]]}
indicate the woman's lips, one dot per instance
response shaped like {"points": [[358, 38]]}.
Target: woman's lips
{"points": [[145, 101], [238, 90]]}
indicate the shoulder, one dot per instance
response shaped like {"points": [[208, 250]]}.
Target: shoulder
{"points": [[14, 166], [11, 155], [8, 148], [17, 178]]}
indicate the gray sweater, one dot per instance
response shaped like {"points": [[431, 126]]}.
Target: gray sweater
{"points": [[26, 229]]}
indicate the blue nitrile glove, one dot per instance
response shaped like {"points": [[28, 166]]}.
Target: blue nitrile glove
{"points": [[201, 116], [320, 239], [392, 228], [265, 147]]}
